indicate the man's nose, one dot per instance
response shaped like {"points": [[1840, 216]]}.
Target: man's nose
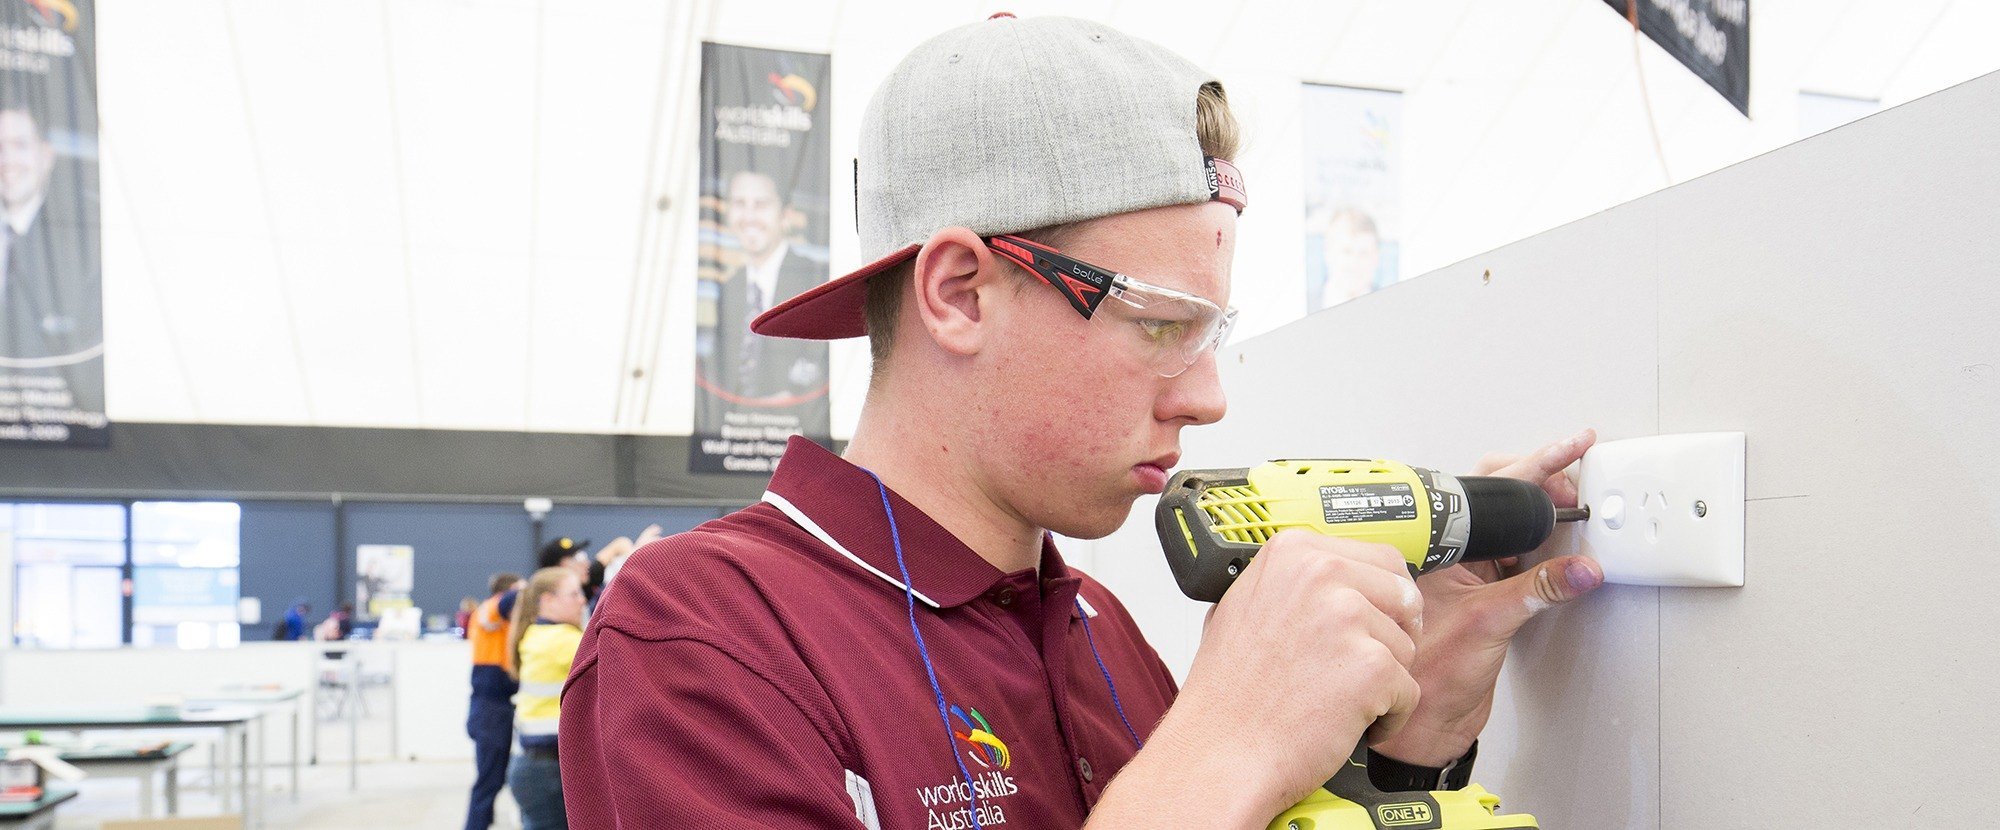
{"points": [[1195, 396]]}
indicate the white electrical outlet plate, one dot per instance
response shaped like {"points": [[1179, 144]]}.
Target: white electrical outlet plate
{"points": [[1666, 510]]}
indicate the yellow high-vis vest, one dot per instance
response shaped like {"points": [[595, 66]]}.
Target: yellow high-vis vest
{"points": [[547, 649]]}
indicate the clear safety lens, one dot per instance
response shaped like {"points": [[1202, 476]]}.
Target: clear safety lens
{"points": [[1176, 326]]}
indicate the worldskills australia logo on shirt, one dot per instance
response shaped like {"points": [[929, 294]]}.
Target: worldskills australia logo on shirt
{"points": [[985, 748], [951, 806]]}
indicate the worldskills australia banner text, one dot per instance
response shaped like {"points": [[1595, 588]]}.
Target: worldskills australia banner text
{"points": [[51, 308], [764, 194]]}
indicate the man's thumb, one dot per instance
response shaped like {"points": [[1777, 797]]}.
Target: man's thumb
{"points": [[1558, 581]]}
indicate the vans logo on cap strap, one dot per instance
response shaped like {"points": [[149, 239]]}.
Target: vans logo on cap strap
{"points": [[1225, 184]]}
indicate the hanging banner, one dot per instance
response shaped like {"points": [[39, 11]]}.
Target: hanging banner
{"points": [[764, 194], [1709, 37], [1353, 191], [51, 308]]}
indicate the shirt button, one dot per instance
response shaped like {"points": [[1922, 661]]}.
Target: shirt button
{"points": [[1083, 768], [1004, 597]]}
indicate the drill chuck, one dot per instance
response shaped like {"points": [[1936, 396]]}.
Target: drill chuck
{"points": [[1509, 517]]}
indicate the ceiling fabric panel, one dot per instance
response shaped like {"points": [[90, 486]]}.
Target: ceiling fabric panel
{"points": [[478, 214]]}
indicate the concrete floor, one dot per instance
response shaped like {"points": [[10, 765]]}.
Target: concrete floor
{"points": [[390, 794], [411, 794]]}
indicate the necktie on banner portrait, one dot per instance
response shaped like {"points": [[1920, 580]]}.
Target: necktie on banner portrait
{"points": [[764, 206], [51, 296]]}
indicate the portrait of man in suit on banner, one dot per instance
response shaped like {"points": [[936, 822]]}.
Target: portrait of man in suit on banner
{"points": [[760, 369], [50, 307], [51, 279]]}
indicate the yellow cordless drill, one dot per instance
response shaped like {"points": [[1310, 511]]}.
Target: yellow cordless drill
{"points": [[1212, 522]]}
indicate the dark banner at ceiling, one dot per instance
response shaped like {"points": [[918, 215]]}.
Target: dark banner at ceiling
{"points": [[51, 306], [1710, 37], [764, 183]]}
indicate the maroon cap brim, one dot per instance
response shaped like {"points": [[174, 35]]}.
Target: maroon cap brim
{"points": [[833, 311]]}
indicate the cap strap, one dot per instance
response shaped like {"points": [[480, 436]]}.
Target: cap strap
{"points": [[1225, 184]]}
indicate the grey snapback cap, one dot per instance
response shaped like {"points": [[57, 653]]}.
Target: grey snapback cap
{"points": [[1008, 125]]}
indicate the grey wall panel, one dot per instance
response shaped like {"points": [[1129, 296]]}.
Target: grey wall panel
{"points": [[1575, 728], [1833, 300], [289, 549], [659, 470], [458, 546], [1488, 355], [288, 552], [248, 459]]}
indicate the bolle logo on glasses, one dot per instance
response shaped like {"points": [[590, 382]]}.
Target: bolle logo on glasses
{"points": [[50, 8], [1095, 278], [984, 747], [790, 88]]}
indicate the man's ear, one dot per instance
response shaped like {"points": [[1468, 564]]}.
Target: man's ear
{"points": [[955, 274]]}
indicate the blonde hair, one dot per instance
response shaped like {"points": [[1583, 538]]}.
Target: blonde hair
{"points": [[1215, 128], [527, 607]]}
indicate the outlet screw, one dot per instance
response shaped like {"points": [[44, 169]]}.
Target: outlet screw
{"points": [[1700, 509]]}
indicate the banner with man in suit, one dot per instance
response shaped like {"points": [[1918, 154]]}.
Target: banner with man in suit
{"points": [[51, 306], [764, 165]]}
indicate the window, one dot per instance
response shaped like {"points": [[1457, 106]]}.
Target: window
{"points": [[71, 562], [185, 582]]}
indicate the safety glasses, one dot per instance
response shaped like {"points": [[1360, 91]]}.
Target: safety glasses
{"points": [[1175, 327]]}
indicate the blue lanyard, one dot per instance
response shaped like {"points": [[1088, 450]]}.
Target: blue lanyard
{"points": [[930, 671]]}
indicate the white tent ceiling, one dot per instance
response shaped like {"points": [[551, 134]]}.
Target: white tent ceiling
{"points": [[472, 213]]}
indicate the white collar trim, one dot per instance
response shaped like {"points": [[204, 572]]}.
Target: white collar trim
{"points": [[808, 525]]}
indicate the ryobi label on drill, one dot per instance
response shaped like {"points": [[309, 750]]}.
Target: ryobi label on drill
{"points": [[1346, 503]]}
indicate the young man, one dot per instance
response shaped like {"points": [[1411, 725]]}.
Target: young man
{"points": [[891, 639]]}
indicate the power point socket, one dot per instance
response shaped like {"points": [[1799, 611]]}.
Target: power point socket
{"points": [[1666, 510]]}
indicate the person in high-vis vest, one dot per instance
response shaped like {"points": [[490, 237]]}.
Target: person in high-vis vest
{"points": [[489, 720], [547, 628]]}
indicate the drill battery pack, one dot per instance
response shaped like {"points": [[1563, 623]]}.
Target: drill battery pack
{"points": [[1472, 808]]}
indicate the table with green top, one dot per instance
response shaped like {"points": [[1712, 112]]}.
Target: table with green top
{"points": [[134, 762], [232, 721], [264, 699], [39, 814]]}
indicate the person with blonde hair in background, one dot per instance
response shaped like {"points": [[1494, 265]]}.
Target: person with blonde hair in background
{"points": [[547, 628]]}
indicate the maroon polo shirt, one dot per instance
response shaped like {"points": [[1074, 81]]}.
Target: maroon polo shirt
{"points": [[747, 674]]}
